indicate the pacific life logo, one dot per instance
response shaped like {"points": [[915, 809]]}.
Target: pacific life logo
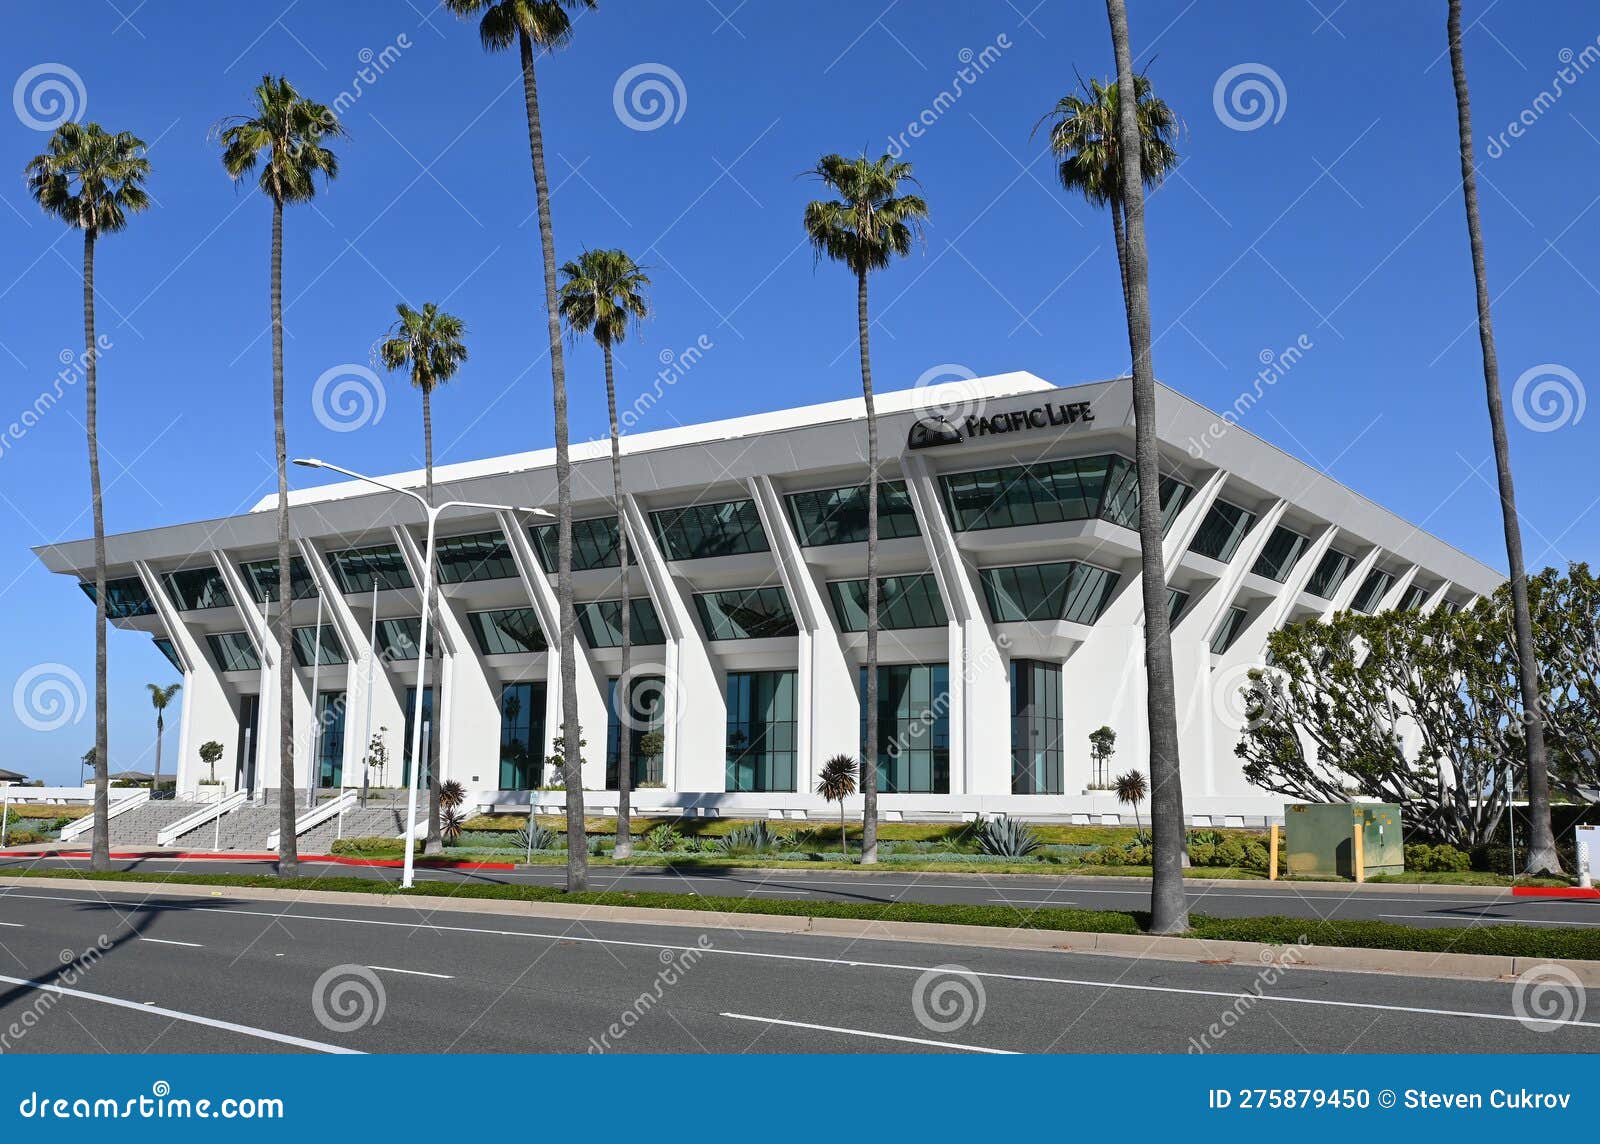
{"points": [[931, 432]]}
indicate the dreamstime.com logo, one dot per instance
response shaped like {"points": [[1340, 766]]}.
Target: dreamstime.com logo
{"points": [[157, 1104], [648, 97], [1548, 397], [49, 696], [1249, 96], [348, 997], [1547, 997], [653, 690], [47, 95], [947, 998], [1241, 703], [948, 391], [348, 397]]}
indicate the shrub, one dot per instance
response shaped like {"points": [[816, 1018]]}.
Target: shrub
{"points": [[535, 837], [1007, 838], [1440, 859], [663, 839], [368, 846], [753, 838]]}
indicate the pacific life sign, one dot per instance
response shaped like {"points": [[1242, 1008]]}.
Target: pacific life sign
{"points": [[928, 432]]}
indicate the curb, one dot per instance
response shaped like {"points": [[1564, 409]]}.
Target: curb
{"points": [[266, 856], [1577, 893], [1408, 963]]}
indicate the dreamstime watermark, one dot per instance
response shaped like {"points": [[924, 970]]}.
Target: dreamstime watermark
{"points": [[1276, 960], [649, 96], [1249, 96], [675, 365], [348, 997], [1573, 66], [47, 95], [348, 397], [1548, 397], [157, 1104], [74, 966], [1240, 702], [1548, 996], [948, 997], [374, 64], [49, 696], [674, 964], [948, 392], [652, 690], [973, 66], [74, 367], [924, 722], [1275, 365]]}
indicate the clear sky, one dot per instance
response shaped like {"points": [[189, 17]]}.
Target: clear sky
{"points": [[1334, 215]]}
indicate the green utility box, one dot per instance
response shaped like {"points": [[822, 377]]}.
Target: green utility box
{"points": [[1320, 839]]}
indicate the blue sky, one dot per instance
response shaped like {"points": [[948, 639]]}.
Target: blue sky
{"points": [[1337, 218]]}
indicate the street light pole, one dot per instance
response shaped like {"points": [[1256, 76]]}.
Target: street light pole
{"points": [[432, 514]]}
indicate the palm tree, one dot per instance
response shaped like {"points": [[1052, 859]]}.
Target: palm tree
{"points": [[1169, 908], [600, 292], [159, 698], [282, 135], [546, 25], [1083, 135], [428, 343], [1541, 843], [835, 783], [93, 180], [870, 223], [1131, 791]]}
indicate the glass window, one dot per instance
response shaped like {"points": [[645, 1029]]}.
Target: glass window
{"points": [[233, 651], [1176, 602], [903, 602], [1036, 728], [601, 621], [305, 644], [397, 639], [1331, 571], [1232, 624], [357, 569], [1050, 491], [330, 739], [430, 745], [195, 589], [125, 598], [1222, 530], [484, 556], [1120, 504], [1373, 589], [698, 531], [761, 731], [1415, 597], [507, 631], [745, 614], [1280, 554], [262, 577], [164, 646], [913, 746], [594, 544], [646, 717], [522, 736], [839, 516], [244, 759], [1065, 591]]}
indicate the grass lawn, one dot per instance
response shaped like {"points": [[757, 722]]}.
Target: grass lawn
{"points": [[1513, 941], [1466, 878]]}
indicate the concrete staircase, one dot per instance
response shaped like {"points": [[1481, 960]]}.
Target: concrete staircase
{"points": [[138, 827], [373, 822]]}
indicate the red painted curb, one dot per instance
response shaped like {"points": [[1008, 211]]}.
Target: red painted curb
{"points": [[1553, 892], [241, 856]]}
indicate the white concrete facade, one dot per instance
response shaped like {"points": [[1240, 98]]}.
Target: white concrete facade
{"points": [[1014, 421]]}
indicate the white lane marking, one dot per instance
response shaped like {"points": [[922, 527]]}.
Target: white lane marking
{"points": [[13, 925], [873, 1036], [413, 972], [1487, 920], [169, 941], [178, 1015], [1123, 986], [764, 891], [1031, 901]]}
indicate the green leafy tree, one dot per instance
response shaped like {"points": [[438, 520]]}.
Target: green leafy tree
{"points": [[1169, 904], [835, 783], [428, 345], [210, 755], [1541, 855], [874, 220], [93, 180], [601, 293], [160, 697], [281, 138], [533, 26], [1102, 745]]}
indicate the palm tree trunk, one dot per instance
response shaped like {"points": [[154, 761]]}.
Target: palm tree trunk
{"points": [[869, 757], [100, 845], [288, 850], [1119, 235], [434, 843], [623, 847], [1169, 909], [1541, 856], [161, 727], [577, 853]]}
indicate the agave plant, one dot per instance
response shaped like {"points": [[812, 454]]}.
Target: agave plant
{"points": [[664, 839], [1007, 838], [536, 837], [752, 838]]}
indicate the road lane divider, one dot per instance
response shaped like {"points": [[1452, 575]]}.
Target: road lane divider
{"points": [[873, 1036]]}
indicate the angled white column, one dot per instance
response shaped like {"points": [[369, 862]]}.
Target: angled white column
{"points": [[353, 637], [1190, 517], [208, 710], [1300, 576], [1352, 584]]}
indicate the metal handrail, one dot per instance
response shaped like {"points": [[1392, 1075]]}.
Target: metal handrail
{"points": [[86, 823]]}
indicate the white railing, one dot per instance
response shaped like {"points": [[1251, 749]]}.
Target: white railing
{"points": [[123, 804], [64, 793], [170, 833], [317, 817]]}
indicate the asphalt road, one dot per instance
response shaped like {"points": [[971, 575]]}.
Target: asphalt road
{"points": [[201, 975], [1403, 905]]}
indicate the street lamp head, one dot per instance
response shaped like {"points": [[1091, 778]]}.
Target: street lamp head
{"points": [[309, 462]]}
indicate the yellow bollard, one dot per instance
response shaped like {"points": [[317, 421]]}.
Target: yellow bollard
{"points": [[1358, 849], [1272, 854]]}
